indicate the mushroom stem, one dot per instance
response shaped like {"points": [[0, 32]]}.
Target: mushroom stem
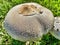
{"points": [[27, 43]]}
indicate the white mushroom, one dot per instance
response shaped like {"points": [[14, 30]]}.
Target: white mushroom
{"points": [[28, 21], [56, 30]]}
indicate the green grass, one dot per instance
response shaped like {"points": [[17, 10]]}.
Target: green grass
{"points": [[6, 5]]}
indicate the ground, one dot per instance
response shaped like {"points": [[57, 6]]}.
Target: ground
{"points": [[6, 5]]}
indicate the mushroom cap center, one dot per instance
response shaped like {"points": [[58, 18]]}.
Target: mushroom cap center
{"points": [[27, 10]]}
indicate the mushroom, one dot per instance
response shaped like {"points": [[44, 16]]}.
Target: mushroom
{"points": [[56, 29], [28, 22]]}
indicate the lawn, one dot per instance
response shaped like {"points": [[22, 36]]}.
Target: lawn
{"points": [[6, 5]]}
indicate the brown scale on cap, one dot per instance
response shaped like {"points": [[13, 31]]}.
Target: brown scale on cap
{"points": [[26, 10]]}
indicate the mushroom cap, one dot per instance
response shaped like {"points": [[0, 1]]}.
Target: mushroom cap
{"points": [[28, 21], [56, 30]]}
